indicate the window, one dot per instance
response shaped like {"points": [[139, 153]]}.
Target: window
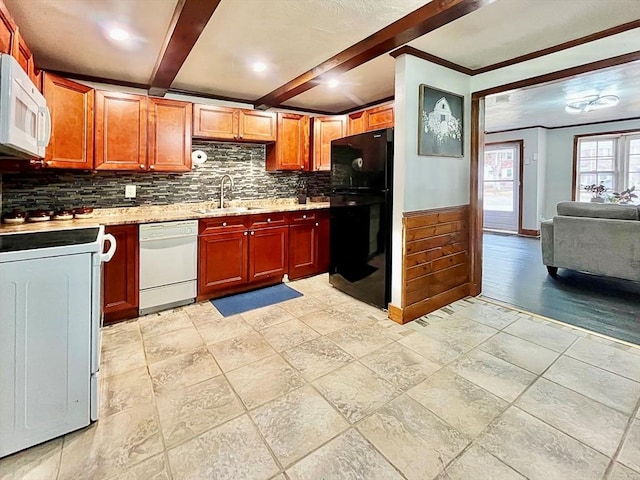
{"points": [[611, 160]]}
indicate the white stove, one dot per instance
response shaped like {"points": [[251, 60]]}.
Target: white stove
{"points": [[50, 316]]}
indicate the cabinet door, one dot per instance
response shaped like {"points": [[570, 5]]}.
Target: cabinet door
{"points": [[222, 261], [216, 123], [268, 253], [7, 30], [121, 131], [256, 125], [22, 53], [303, 250], [356, 123], [169, 135], [291, 151], [120, 280], [379, 117], [71, 107], [326, 129]]}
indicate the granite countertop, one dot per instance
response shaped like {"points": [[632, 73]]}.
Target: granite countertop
{"points": [[166, 213]]}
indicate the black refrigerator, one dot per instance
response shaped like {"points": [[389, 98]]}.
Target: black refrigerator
{"points": [[361, 209]]}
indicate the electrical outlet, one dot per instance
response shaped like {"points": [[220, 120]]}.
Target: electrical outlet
{"points": [[130, 191]]}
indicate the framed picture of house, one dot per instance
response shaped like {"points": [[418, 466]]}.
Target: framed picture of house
{"points": [[440, 123]]}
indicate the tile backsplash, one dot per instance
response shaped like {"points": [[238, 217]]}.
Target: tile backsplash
{"points": [[52, 189]]}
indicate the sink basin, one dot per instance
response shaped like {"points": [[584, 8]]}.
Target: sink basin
{"points": [[222, 211]]}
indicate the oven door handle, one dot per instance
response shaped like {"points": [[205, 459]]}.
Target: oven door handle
{"points": [[108, 255]]}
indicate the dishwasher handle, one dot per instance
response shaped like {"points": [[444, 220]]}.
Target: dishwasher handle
{"points": [[108, 255]]}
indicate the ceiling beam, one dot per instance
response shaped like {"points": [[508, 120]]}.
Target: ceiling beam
{"points": [[431, 58], [189, 20], [431, 16]]}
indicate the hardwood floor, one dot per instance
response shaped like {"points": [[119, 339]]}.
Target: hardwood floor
{"points": [[513, 273]]}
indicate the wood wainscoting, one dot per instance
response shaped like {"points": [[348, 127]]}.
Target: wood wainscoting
{"points": [[436, 261]]}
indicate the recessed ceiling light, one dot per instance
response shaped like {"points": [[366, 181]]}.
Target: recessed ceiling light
{"points": [[259, 67], [118, 34], [333, 83]]}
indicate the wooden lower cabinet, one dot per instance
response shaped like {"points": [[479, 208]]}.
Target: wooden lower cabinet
{"points": [[222, 261], [309, 245], [120, 276], [268, 253], [241, 253], [233, 256]]}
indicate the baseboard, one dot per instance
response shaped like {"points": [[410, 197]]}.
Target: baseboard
{"points": [[395, 314], [529, 233], [409, 313]]}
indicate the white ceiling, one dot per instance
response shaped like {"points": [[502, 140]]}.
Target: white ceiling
{"points": [[543, 105], [68, 35], [290, 36], [510, 28], [293, 36], [367, 83]]}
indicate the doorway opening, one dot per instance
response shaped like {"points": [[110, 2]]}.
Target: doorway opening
{"points": [[502, 186]]}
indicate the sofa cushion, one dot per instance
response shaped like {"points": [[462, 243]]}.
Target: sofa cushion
{"points": [[598, 210]]}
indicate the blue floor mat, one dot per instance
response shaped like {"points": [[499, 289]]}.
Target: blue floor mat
{"points": [[243, 302]]}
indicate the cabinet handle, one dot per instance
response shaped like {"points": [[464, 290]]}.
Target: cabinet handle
{"points": [[245, 233], [268, 220], [224, 224], [47, 163], [152, 167], [142, 165], [240, 136], [317, 224], [304, 216], [252, 232]]}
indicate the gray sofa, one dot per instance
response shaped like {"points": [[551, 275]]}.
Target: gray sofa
{"points": [[603, 239]]}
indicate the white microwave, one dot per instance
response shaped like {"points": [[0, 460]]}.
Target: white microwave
{"points": [[25, 121]]}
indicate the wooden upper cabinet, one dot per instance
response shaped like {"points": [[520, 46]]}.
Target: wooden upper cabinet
{"points": [[326, 129], [379, 117], [22, 54], [374, 118], [219, 123], [256, 125], [71, 107], [7, 30], [121, 131], [224, 123], [169, 135], [11, 42], [291, 150], [356, 123]]}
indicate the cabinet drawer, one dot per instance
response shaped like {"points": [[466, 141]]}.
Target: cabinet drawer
{"points": [[208, 226], [308, 216], [268, 220], [304, 216]]}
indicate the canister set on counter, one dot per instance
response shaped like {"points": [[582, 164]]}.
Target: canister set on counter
{"points": [[19, 216]]}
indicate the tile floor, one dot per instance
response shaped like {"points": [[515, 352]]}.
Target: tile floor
{"points": [[324, 387]]}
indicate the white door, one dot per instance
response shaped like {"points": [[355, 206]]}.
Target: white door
{"points": [[45, 349], [501, 185]]}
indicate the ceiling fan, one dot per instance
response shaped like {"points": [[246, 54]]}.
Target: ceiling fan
{"points": [[592, 102]]}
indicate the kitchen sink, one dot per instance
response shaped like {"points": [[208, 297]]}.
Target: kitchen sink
{"points": [[215, 211]]}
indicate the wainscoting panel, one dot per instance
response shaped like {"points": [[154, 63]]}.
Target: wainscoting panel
{"points": [[436, 261]]}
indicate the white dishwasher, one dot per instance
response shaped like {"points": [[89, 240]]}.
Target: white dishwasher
{"points": [[168, 265]]}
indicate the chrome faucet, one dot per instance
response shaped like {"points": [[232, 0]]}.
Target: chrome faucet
{"points": [[224, 177]]}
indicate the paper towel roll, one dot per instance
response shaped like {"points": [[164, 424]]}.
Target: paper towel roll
{"points": [[198, 157]]}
